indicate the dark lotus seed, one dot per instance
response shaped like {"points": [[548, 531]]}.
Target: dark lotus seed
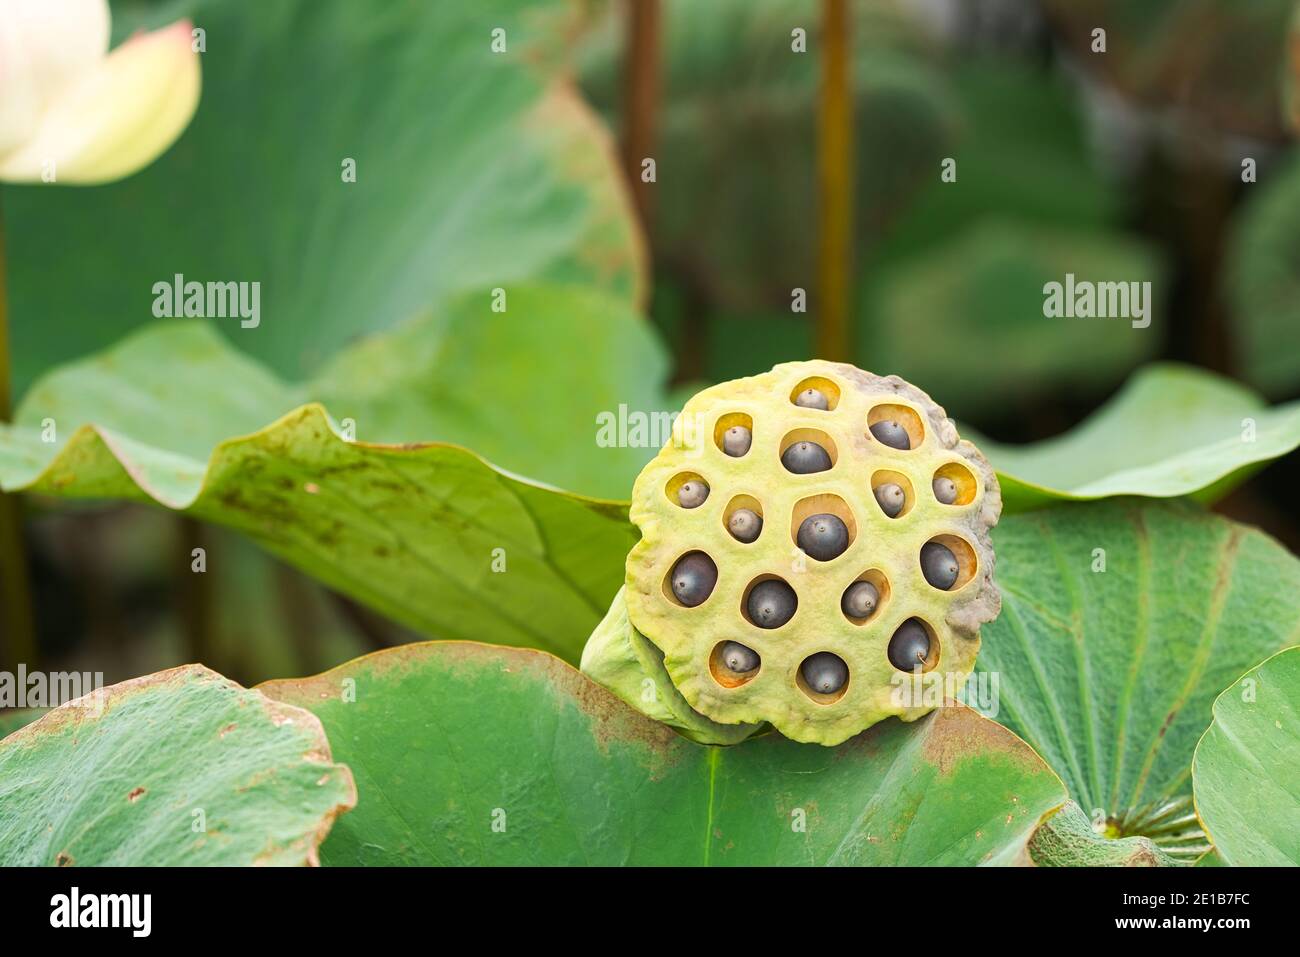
{"points": [[945, 490], [744, 525], [771, 603], [939, 565], [823, 537], [910, 646], [892, 434], [736, 441], [694, 576], [738, 658], [891, 498], [812, 399], [692, 494], [824, 672], [804, 458], [860, 600]]}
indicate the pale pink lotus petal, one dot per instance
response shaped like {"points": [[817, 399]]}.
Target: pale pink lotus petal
{"points": [[45, 47], [119, 117]]}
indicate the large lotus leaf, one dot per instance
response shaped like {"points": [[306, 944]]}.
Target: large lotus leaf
{"points": [[474, 169], [1264, 281], [1110, 674], [1246, 772], [503, 383], [470, 754], [182, 767], [1217, 58], [1172, 430], [429, 534], [525, 388]]}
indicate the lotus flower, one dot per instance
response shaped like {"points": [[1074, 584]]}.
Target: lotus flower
{"points": [[71, 111]]}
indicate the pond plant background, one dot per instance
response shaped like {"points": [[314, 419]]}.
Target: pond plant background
{"points": [[466, 274]]}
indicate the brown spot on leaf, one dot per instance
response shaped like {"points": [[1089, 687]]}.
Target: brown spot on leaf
{"points": [[956, 733], [135, 795]]}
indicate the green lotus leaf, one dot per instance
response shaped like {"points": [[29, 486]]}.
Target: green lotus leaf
{"points": [[1110, 675], [629, 664], [1171, 431], [474, 169], [473, 754], [1246, 771], [183, 767], [1068, 839], [431, 535], [12, 720]]}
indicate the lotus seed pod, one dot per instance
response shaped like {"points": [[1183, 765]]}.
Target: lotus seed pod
{"points": [[744, 525], [893, 434], [945, 490], [860, 600], [692, 494], [891, 498], [805, 458], [824, 672], [910, 646], [738, 658], [812, 399], [736, 441], [939, 565], [765, 581], [693, 578], [823, 537], [771, 603]]}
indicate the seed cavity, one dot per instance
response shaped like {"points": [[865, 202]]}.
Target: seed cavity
{"points": [[954, 484], [896, 426], [744, 525], [939, 565], [737, 440], [687, 490], [692, 494], [891, 498], [744, 518], [770, 603], [733, 433], [816, 392], [823, 536], [824, 677], [910, 646], [806, 451], [893, 493], [693, 578], [860, 600], [733, 664], [948, 562]]}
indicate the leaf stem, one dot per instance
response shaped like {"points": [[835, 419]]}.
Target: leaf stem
{"points": [[834, 339], [641, 101], [16, 618]]}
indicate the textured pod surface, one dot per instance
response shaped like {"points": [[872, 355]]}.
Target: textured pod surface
{"points": [[883, 550]]}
